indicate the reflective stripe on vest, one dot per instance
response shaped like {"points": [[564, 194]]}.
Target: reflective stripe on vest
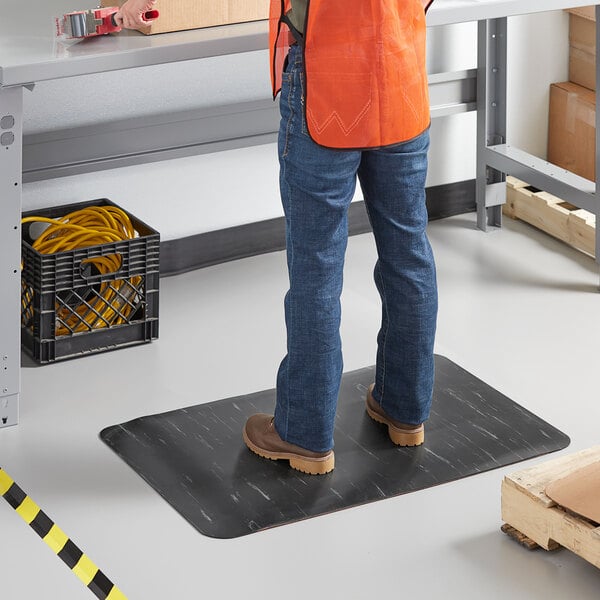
{"points": [[365, 74]]}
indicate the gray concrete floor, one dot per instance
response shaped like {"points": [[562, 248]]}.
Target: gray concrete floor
{"points": [[517, 309]]}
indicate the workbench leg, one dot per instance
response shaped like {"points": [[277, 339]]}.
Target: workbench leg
{"points": [[491, 119], [11, 158]]}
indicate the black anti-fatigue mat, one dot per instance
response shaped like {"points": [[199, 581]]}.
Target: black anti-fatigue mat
{"points": [[196, 460]]}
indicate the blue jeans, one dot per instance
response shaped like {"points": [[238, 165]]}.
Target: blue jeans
{"points": [[317, 185]]}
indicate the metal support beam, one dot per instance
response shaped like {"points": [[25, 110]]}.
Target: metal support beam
{"points": [[491, 118], [11, 153], [452, 93], [147, 139], [188, 133], [543, 175]]}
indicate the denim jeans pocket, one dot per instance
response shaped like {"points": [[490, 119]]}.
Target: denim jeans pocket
{"points": [[286, 110], [292, 106], [302, 89]]}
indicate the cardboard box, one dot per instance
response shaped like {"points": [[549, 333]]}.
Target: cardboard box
{"points": [[582, 68], [572, 129], [587, 12], [177, 15], [582, 33], [582, 50]]}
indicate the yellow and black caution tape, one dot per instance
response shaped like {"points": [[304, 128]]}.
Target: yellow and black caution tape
{"points": [[114, 301], [58, 541]]}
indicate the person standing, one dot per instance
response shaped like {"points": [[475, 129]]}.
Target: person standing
{"points": [[354, 105]]}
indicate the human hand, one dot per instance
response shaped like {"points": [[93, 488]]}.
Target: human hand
{"points": [[131, 13]]}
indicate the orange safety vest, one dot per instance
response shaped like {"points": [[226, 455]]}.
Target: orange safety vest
{"points": [[364, 70]]}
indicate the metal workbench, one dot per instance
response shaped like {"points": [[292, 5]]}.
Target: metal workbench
{"points": [[29, 54]]}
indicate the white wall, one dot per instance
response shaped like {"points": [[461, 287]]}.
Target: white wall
{"points": [[538, 55], [204, 193]]}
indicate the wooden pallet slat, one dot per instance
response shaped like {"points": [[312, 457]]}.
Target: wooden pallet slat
{"points": [[572, 225], [538, 520]]}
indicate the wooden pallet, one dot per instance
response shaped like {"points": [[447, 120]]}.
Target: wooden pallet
{"points": [[532, 517], [572, 225]]}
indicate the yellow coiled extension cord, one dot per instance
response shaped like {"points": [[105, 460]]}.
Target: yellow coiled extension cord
{"points": [[110, 304]]}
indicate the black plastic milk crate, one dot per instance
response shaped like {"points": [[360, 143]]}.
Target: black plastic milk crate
{"points": [[61, 293]]}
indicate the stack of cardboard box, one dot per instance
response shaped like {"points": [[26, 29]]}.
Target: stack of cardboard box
{"points": [[572, 132]]}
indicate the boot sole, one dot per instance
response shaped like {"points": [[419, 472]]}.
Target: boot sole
{"points": [[400, 437], [310, 466]]}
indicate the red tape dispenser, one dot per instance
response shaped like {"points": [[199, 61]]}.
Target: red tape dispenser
{"points": [[89, 23]]}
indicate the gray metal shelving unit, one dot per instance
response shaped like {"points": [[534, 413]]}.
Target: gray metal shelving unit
{"points": [[29, 54]]}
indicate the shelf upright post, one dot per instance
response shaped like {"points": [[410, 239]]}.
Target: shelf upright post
{"points": [[491, 118], [11, 159]]}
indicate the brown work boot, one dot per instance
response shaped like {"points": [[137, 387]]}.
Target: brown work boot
{"points": [[260, 437], [400, 433]]}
